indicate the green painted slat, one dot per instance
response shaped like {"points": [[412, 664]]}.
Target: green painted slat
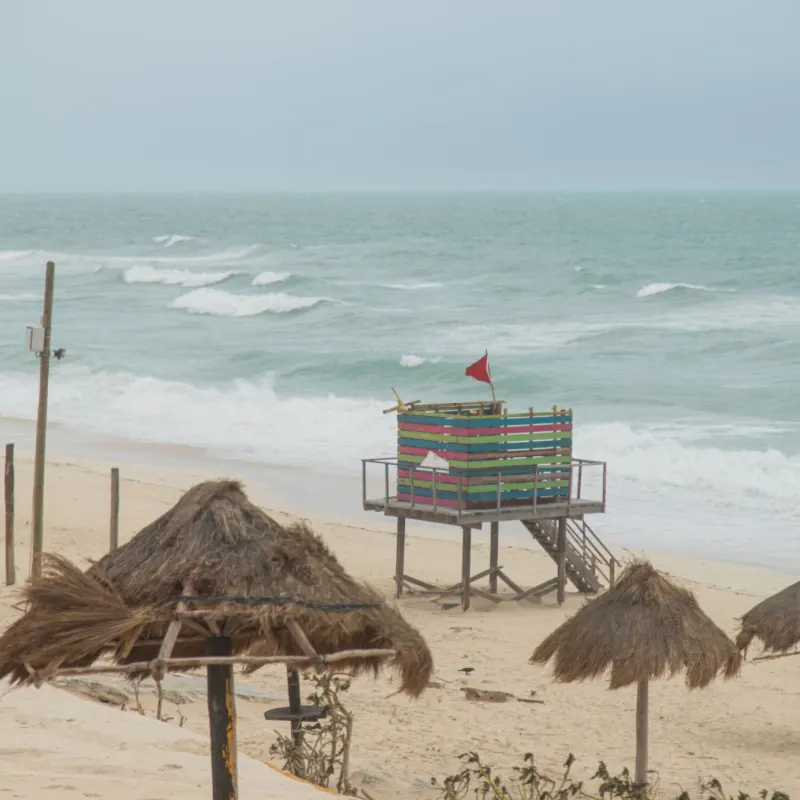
{"points": [[446, 438], [488, 487]]}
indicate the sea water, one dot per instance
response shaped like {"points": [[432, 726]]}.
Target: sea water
{"points": [[269, 329]]}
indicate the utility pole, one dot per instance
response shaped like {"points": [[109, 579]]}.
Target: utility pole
{"points": [[37, 519]]}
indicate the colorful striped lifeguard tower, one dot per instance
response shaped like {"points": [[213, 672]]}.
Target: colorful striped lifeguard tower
{"points": [[469, 464]]}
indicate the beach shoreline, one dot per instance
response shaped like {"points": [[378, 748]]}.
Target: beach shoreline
{"points": [[405, 742]]}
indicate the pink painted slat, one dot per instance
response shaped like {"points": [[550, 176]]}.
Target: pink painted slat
{"points": [[422, 451], [428, 476], [406, 498], [417, 428]]}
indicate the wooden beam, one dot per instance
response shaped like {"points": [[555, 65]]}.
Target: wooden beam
{"points": [[466, 554], [8, 484], [299, 635], [113, 534], [222, 721], [400, 560], [562, 559], [494, 551]]}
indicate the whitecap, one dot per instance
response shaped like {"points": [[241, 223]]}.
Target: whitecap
{"points": [[174, 277], [652, 289], [218, 303], [267, 278]]}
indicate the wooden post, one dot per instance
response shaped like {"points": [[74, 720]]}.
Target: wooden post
{"points": [[641, 734], [466, 552], [295, 707], [400, 562], [562, 560], [37, 518], [494, 554], [113, 543], [9, 504], [222, 721]]}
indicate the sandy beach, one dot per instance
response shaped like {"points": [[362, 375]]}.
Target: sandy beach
{"points": [[743, 732]]}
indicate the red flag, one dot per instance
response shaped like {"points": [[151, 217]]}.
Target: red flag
{"points": [[480, 370]]}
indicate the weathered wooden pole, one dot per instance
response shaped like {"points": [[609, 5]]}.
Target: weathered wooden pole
{"points": [[295, 707], [562, 560], [8, 485], [466, 553], [114, 526], [494, 555], [400, 560], [37, 518], [642, 700], [222, 721]]}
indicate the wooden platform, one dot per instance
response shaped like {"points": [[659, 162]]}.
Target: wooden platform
{"points": [[474, 518]]}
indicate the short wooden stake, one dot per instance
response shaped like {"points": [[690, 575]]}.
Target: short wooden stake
{"points": [[113, 543], [222, 721], [9, 504]]}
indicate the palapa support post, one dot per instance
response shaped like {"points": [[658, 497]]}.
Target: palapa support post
{"points": [[494, 555], [466, 552], [37, 519], [295, 706], [222, 720], [113, 542], [400, 561], [562, 560], [642, 701], [8, 489]]}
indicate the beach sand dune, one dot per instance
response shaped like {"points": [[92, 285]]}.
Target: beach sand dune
{"points": [[745, 732]]}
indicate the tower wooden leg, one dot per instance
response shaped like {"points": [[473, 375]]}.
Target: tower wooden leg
{"points": [[400, 563], [494, 552], [562, 560], [466, 553]]}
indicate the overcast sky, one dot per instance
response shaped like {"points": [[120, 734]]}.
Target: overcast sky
{"points": [[264, 95]]}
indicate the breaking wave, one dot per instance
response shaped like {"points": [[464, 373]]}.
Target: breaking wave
{"points": [[224, 304]]}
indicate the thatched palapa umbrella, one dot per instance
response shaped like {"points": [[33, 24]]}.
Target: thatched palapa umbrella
{"points": [[643, 628], [214, 577], [776, 621]]}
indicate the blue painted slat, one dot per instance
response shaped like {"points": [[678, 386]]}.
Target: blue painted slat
{"points": [[483, 497]]}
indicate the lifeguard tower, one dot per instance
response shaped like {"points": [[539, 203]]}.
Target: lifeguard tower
{"points": [[468, 464]]}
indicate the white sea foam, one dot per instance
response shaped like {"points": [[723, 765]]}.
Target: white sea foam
{"points": [[224, 304], [174, 277], [18, 298], [652, 289], [267, 278], [251, 420], [231, 255], [412, 287], [411, 361], [14, 255], [169, 240]]}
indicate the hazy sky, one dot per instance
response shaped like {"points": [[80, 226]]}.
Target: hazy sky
{"points": [[381, 94]]}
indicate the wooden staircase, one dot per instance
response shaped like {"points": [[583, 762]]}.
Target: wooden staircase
{"points": [[589, 563]]}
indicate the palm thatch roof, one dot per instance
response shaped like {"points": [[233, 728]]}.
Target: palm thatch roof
{"points": [[213, 543], [644, 627], [776, 621]]}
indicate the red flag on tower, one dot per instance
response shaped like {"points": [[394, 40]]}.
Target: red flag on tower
{"points": [[480, 370]]}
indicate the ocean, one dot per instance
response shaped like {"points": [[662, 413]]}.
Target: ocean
{"points": [[270, 330]]}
